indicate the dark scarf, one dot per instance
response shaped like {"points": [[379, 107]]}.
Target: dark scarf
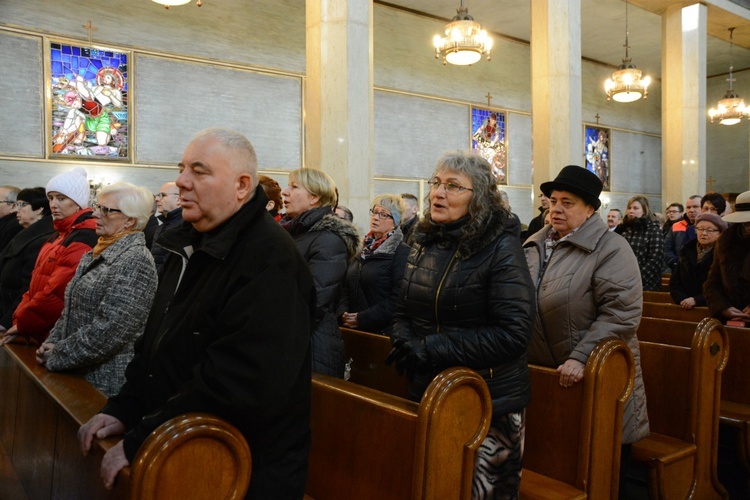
{"points": [[370, 244]]}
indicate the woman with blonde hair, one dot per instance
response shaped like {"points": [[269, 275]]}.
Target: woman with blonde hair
{"points": [[328, 244], [373, 280]]}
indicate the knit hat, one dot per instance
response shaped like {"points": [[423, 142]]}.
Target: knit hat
{"points": [[741, 209], [578, 181], [72, 184], [713, 219]]}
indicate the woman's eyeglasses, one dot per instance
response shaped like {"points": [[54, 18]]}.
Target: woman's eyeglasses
{"points": [[105, 211], [19, 204], [381, 215], [706, 230], [450, 187]]}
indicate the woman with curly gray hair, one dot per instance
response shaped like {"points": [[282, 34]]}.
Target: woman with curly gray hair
{"points": [[467, 300]]}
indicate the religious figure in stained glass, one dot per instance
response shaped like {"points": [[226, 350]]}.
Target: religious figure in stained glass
{"points": [[89, 105], [597, 153], [488, 140]]}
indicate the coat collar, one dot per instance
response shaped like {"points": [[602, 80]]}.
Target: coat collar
{"points": [[586, 238], [219, 241]]}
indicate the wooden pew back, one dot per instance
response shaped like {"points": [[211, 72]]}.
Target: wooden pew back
{"points": [[371, 445], [658, 297], [674, 311], [368, 352], [583, 448], [683, 395], [190, 456]]}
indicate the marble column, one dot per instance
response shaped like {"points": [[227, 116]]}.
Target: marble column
{"points": [[338, 102], [557, 127], [683, 160]]}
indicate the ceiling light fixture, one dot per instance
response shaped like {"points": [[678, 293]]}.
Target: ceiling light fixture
{"points": [[169, 3], [627, 83], [731, 109], [465, 41]]}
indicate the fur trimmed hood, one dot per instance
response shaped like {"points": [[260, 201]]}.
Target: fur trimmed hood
{"points": [[344, 230]]}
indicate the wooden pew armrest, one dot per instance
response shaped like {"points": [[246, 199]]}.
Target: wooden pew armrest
{"points": [[734, 414], [662, 448], [535, 486]]}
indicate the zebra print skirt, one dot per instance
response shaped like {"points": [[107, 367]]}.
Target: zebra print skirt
{"points": [[497, 468]]}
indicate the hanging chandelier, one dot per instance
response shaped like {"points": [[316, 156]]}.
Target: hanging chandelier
{"points": [[169, 3], [465, 41], [731, 109], [627, 83]]}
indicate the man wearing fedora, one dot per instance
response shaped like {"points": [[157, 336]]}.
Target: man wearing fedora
{"points": [[727, 289]]}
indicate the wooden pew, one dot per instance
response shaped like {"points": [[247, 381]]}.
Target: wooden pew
{"points": [[735, 380], [190, 456], [371, 445], [658, 297], [565, 458], [683, 393], [674, 311]]}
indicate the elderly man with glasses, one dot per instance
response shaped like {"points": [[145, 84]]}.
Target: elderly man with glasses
{"points": [[9, 226], [169, 206]]}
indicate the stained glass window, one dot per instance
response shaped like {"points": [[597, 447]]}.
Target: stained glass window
{"points": [[488, 140]]}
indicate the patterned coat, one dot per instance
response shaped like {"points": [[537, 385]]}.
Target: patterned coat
{"points": [[106, 306], [646, 240]]}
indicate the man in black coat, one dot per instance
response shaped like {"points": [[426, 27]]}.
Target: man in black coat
{"points": [[229, 330]]}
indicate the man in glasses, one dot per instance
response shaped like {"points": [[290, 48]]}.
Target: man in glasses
{"points": [[9, 226], [169, 206], [229, 329]]}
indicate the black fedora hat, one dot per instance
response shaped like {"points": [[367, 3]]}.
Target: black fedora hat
{"points": [[578, 181]]}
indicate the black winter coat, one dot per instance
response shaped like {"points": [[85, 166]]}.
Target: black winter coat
{"points": [[645, 238], [473, 302], [328, 244], [160, 254], [688, 277], [371, 287], [728, 282], [16, 264], [232, 340], [9, 228]]}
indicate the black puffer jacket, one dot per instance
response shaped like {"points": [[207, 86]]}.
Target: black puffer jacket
{"points": [[371, 287], [328, 244], [473, 302]]}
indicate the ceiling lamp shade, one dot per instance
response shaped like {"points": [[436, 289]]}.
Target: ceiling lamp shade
{"points": [[168, 3], [465, 41], [731, 109], [627, 83]]}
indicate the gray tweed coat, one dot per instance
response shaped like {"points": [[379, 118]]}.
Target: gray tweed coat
{"points": [[106, 306]]}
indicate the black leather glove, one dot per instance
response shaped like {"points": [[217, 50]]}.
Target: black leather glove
{"points": [[410, 356]]}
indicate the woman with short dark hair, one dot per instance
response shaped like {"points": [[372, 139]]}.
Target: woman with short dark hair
{"points": [[19, 257]]}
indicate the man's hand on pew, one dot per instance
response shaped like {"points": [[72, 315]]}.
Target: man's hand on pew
{"points": [[114, 461], [688, 303], [100, 426], [571, 372]]}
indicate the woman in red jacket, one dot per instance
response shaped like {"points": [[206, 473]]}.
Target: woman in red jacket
{"points": [[42, 304]]}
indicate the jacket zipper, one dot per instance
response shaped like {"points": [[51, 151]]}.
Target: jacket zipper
{"points": [[440, 286]]}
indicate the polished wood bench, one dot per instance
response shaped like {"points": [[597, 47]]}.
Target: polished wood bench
{"points": [[683, 392], [371, 445], [564, 458], [674, 311], [658, 297], [735, 380], [190, 456]]}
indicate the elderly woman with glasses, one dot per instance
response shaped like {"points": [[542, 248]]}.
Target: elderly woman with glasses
{"points": [[467, 300], [109, 298], [696, 257], [19, 257], [373, 280], [328, 244]]}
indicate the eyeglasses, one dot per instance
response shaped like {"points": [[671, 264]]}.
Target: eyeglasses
{"points": [[706, 230], [105, 211], [381, 215], [19, 204], [8, 202], [673, 211], [159, 196], [450, 187]]}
